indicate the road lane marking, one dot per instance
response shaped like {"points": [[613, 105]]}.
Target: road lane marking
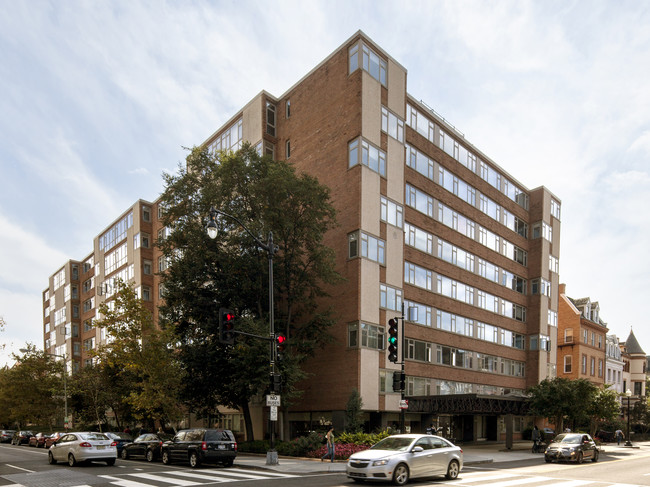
{"points": [[20, 468]]}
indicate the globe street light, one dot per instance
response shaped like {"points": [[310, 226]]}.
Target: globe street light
{"points": [[628, 394], [65, 384], [271, 249]]}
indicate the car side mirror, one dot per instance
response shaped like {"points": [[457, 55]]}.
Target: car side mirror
{"points": [[417, 449]]}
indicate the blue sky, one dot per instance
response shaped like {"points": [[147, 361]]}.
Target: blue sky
{"points": [[99, 98]]}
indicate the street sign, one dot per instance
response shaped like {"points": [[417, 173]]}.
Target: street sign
{"points": [[274, 413], [272, 400], [404, 404]]}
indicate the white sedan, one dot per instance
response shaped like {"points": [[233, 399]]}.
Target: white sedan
{"points": [[82, 447], [401, 457]]}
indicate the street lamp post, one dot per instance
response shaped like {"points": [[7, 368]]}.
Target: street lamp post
{"points": [[65, 384], [271, 249], [628, 394]]}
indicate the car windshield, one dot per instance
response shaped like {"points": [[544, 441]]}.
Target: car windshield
{"points": [[568, 438], [119, 436], [93, 436], [393, 444]]}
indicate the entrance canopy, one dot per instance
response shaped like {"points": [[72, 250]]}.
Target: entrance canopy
{"points": [[469, 404]]}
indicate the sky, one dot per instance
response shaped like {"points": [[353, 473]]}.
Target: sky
{"points": [[99, 98]]}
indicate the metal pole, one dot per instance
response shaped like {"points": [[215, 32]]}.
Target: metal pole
{"points": [[402, 411], [272, 456]]}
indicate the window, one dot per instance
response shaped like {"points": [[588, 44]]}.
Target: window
{"points": [[270, 119], [144, 240], [287, 109], [146, 293], [370, 62], [353, 245], [390, 298], [146, 214], [592, 367], [372, 248], [418, 350], [391, 213], [584, 364], [553, 264], [370, 156], [230, 139], [372, 336], [392, 125], [567, 364], [555, 209], [147, 267], [116, 233], [288, 149]]}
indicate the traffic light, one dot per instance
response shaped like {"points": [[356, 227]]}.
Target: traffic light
{"points": [[392, 340], [399, 381], [277, 383], [280, 345], [226, 326]]}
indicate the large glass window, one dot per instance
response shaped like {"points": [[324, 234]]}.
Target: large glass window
{"points": [[371, 247], [390, 298], [392, 125], [391, 212], [361, 152]]}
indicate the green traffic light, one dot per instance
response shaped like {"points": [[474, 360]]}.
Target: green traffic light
{"points": [[392, 340]]}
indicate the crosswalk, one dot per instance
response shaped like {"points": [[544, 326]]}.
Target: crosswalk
{"points": [[164, 478], [513, 479]]}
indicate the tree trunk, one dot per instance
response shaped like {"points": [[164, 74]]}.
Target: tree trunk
{"points": [[248, 422]]}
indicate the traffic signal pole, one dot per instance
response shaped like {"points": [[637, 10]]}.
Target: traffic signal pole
{"points": [[402, 415]]}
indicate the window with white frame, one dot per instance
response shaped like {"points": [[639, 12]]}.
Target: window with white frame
{"points": [[390, 298], [370, 336], [362, 152], [392, 125], [391, 212]]}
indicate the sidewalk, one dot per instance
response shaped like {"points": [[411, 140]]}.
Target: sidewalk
{"points": [[472, 455]]}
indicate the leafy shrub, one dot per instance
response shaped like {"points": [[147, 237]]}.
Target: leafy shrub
{"points": [[301, 445], [367, 439], [342, 451]]}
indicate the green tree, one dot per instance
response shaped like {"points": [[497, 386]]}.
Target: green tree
{"points": [[34, 388], [604, 407], [353, 413], [562, 399], [141, 356], [231, 271]]}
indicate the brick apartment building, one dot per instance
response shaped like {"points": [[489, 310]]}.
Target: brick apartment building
{"points": [[427, 222]]}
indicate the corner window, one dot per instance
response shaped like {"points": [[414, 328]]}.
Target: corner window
{"points": [[270, 119], [370, 156], [146, 214]]}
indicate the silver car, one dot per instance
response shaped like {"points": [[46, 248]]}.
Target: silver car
{"points": [[82, 447], [401, 457]]}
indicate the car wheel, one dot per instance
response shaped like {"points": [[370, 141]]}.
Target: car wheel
{"points": [[595, 457], [149, 455], [453, 470], [166, 458], [72, 461], [401, 474], [125, 454], [579, 459], [111, 461], [194, 460], [228, 463], [547, 459], [50, 458]]}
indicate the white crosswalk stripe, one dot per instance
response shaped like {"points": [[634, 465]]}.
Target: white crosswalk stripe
{"points": [[188, 478], [508, 479]]}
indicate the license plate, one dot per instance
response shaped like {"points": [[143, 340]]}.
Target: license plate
{"points": [[221, 447], [100, 447]]}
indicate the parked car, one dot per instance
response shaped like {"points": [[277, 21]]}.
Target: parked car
{"points": [[399, 458], [83, 447], [120, 439], [6, 436], [147, 446], [38, 440], [571, 447], [21, 437], [49, 441], [201, 445]]}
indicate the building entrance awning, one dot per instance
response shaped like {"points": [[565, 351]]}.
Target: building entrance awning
{"points": [[469, 404]]}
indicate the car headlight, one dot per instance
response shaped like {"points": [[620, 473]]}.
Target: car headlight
{"points": [[378, 463]]}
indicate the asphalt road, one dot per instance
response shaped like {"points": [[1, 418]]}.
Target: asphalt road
{"points": [[27, 466]]}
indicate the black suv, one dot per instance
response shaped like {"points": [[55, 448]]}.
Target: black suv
{"points": [[201, 445]]}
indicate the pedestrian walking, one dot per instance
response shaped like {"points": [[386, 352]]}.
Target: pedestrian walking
{"points": [[619, 436], [330, 445]]}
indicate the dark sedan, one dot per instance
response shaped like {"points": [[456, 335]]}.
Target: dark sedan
{"points": [[120, 440], [147, 446], [21, 437], [572, 447], [38, 440]]}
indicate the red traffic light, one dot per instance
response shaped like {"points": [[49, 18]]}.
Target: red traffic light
{"points": [[280, 339]]}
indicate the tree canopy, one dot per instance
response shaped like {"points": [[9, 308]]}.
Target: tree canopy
{"points": [[231, 271]]}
